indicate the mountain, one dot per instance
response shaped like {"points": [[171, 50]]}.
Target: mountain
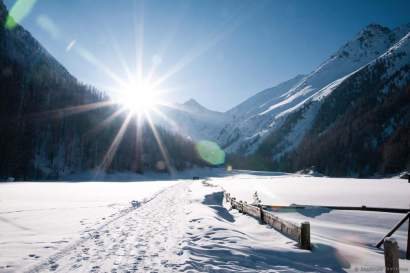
{"points": [[350, 116], [362, 128], [244, 120], [252, 122], [193, 120], [52, 125]]}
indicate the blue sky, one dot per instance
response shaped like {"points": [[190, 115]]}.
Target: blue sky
{"points": [[222, 51]]}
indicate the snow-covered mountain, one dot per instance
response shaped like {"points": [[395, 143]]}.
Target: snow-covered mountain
{"points": [[361, 124], [259, 116], [192, 119]]}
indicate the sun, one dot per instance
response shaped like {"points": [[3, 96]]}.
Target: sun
{"points": [[138, 97]]}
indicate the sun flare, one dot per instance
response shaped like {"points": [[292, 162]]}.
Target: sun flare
{"points": [[138, 97]]}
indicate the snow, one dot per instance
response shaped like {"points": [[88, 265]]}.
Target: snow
{"points": [[297, 133], [285, 189], [345, 231], [184, 225], [39, 218]]}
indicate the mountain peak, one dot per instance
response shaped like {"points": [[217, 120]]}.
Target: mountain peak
{"points": [[375, 28], [196, 108], [368, 44], [193, 103]]}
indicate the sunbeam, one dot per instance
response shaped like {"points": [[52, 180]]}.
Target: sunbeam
{"points": [[103, 124], [139, 147], [119, 54], [173, 124], [229, 26], [162, 148], [89, 57], [109, 155], [139, 38], [72, 110]]}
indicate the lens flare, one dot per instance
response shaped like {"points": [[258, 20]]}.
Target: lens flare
{"points": [[210, 152], [17, 13]]}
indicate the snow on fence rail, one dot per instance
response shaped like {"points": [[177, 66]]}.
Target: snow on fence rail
{"points": [[300, 234]]}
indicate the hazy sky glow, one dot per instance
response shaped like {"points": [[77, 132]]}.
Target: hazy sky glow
{"points": [[218, 52]]}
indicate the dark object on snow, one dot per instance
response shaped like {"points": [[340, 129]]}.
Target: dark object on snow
{"points": [[195, 178], [135, 204], [405, 175]]}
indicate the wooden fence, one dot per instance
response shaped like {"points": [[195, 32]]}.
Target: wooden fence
{"points": [[299, 233], [361, 208]]}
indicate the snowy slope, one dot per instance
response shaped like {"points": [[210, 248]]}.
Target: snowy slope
{"points": [[261, 100], [364, 115], [186, 227], [191, 119], [244, 135]]}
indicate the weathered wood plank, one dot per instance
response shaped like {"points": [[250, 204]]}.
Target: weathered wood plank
{"points": [[305, 236], [391, 255], [287, 228], [408, 241]]}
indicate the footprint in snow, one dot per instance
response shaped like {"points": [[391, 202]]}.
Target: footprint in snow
{"points": [[34, 256]]}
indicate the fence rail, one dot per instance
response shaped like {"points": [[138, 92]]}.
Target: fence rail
{"points": [[299, 233], [361, 208]]}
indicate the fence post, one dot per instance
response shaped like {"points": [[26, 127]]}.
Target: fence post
{"points": [[261, 214], [233, 202], [408, 241], [305, 236], [391, 255]]}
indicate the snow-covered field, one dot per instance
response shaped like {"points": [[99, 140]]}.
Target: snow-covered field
{"points": [[37, 219], [185, 226]]}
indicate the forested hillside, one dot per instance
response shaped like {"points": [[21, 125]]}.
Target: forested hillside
{"points": [[52, 125]]}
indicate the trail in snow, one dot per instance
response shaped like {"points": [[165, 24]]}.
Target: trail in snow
{"points": [[186, 228], [136, 240]]}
